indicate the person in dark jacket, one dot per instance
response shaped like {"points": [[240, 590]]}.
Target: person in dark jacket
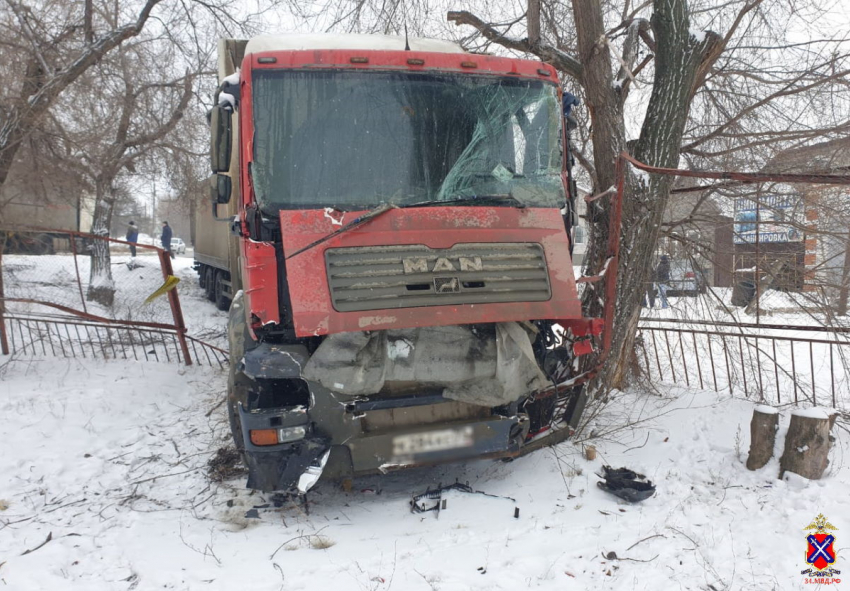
{"points": [[662, 276], [132, 237], [166, 238]]}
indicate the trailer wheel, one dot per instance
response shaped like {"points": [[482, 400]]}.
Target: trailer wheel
{"points": [[43, 244], [221, 301], [209, 283], [202, 276]]}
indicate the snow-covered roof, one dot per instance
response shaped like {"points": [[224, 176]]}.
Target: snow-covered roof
{"points": [[302, 41]]}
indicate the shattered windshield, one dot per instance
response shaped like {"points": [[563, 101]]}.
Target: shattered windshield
{"points": [[354, 140]]}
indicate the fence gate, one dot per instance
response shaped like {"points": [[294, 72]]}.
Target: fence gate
{"points": [[54, 303]]}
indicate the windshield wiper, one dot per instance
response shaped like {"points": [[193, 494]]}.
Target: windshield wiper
{"points": [[481, 199], [385, 207], [355, 223]]}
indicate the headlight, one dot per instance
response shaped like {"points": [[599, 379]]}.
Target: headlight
{"points": [[287, 434]]}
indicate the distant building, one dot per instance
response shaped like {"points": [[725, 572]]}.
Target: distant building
{"points": [[806, 224], [697, 234]]}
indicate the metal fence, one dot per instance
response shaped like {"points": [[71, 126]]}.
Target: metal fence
{"points": [[57, 299], [770, 363]]}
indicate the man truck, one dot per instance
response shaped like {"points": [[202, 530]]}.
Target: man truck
{"points": [[400, 215]]}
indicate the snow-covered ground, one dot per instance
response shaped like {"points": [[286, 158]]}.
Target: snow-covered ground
{"points": [[108, 460]]}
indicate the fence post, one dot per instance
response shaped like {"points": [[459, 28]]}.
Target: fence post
{"points": [[4, 344], [174, 302], [73, 239]]}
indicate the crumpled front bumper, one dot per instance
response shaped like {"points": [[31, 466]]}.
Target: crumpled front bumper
{"points": [[279, 467]]}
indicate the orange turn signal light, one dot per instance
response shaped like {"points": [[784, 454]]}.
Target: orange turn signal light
{"points": [[264, 437]]}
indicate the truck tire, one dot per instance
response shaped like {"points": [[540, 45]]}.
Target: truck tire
{"points": [[222, 302], [237, 382], [43, 244], [209, 283], [202, 276]]}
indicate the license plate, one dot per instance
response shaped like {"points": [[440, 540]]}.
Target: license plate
{"points": [[417, 443]]}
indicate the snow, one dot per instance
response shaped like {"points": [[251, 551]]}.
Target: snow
{"points": [[308, 41], [698, 36], [232, 79], [766, 410], [811, 413], [110, 458], [642, 176], [226, 99]]}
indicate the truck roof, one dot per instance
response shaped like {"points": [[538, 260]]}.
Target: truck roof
{"points": [[307, 41]]}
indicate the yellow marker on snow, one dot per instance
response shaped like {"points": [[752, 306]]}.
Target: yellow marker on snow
{"points": [[169, 284]]}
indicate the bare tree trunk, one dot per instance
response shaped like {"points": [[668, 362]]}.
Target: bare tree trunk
{"points": [[101, 286], [533, 19], [844, 291]]}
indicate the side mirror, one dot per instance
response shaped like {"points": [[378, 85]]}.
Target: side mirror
{"points": [[220, 129], [221, 188]]}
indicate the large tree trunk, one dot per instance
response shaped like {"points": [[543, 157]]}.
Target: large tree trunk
{"points": [[678, 56], [101, 286]]}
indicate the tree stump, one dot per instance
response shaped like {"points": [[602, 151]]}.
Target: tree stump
{"points": [[807, 444], [762, 436]]}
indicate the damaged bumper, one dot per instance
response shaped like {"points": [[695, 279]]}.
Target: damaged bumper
{"points": [[427, 406], [280, 464]]}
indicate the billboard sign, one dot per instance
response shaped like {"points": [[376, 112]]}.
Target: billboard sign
{"points": [[779, 217]]}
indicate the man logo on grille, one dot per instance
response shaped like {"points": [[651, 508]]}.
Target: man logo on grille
{"points": [[446, 284], [441, 264]]}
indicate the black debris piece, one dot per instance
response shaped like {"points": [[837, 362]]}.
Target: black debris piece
{"points": [[432, 499], [626, 484]]}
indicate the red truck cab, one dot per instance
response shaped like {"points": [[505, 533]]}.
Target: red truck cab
{"points": [[404, 230]]}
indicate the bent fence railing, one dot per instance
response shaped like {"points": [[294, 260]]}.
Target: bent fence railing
{"points": [[770, 363], [47, 306], [37, 336]]}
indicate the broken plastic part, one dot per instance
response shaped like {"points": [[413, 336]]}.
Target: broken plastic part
{"points": [[312, 474]]}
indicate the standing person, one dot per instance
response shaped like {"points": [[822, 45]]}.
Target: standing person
{"points": [[166, 239], [662, 276], [132, 237]]}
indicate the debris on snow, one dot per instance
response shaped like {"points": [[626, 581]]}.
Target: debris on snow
{"points": [[226, 464], [626, 484]]}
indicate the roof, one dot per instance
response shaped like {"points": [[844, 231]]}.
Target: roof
{"points": [[830, 157], [307, 41]]}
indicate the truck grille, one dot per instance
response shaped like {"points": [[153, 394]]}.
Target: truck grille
{"points": [[407, 276]]}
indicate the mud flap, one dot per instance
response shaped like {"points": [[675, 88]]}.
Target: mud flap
{"points": [[280, 470]]}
